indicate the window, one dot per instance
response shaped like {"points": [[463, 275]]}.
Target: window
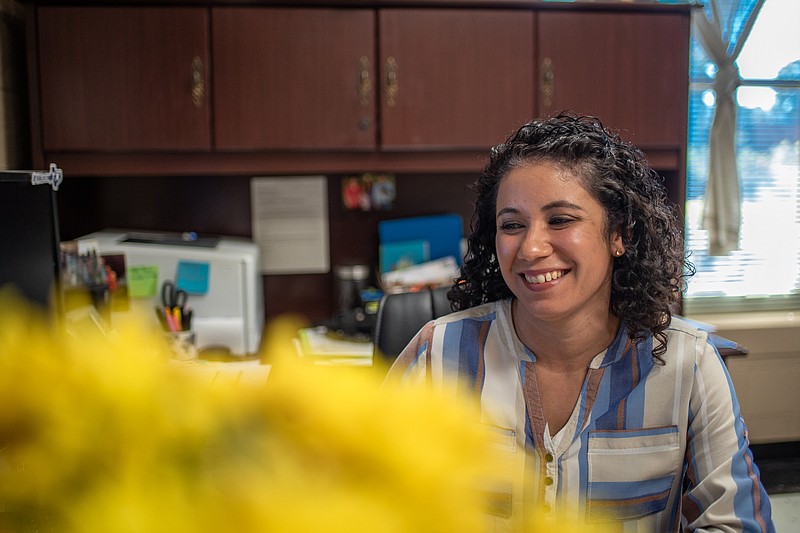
{"points": [[764, 273]]}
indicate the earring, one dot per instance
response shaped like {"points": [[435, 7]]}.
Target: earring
{"points": [[618, 253]]}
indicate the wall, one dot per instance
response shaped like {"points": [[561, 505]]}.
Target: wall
{"points": [[14, 124], [767, 379]]}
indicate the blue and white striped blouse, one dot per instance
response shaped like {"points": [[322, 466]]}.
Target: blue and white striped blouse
{"points": [[648, 448]]}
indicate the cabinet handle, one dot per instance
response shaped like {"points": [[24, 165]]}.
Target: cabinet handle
{"points": [[198, 83], [364, 82], [548, 82], [392, 85]]}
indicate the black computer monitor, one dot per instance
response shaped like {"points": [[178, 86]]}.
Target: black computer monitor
{"points": [[29, 238]]}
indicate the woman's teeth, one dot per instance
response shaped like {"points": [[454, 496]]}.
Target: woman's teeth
{"points": [[541, 278]]}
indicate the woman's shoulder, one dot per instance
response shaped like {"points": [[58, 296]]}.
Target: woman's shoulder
{"points": [[686, 328], [689, 337]]}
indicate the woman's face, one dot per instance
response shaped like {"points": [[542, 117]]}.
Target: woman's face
{"points": [[552, 245]]}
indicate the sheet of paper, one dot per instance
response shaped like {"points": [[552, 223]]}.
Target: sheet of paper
{"points": [[290, 224]]}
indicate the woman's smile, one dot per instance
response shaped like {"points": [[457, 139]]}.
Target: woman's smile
{"points": [[544, 277]]}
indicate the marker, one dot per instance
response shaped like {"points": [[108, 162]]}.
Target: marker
{"points": [[170, 319]]}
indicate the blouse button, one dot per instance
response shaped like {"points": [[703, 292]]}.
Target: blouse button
{"points": [[548, 481], [548, 457]]}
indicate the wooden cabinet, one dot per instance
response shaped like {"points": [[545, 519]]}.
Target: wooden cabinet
{"points": [[454, 78], [221, 87], [300, 79], [122, 79], [630, 69], [294, 79]]}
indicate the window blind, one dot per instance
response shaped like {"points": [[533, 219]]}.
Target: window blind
{"points": [[764, 273]]}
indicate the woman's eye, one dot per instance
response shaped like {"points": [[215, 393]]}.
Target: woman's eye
{"points": [[510, 226], [560, 221]]}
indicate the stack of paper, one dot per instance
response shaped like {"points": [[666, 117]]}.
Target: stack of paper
{"points": [[431, 274], [315, 343]]}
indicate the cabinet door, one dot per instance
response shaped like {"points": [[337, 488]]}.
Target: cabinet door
{"points": [[454, 78], [629, 69], [123, 78], [287, 78]]}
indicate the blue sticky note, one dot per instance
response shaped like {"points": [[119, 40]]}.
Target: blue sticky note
{"points": [[192, 277]]}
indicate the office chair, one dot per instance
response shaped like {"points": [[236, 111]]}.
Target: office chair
{"points": [[400, 316]]}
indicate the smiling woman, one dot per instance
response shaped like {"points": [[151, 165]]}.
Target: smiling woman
{"points": [[564, 329], [555, 253], [596, 171]]}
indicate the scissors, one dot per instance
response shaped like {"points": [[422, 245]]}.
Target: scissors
{"points": [[172, 297]]}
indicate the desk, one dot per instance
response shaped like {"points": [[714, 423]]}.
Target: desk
{"points": [[247, 373]]}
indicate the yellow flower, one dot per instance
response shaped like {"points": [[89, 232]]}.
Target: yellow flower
{"points": [[105, 433]]}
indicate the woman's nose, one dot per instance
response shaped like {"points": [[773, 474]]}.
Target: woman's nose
{"points": [[536, 244]]}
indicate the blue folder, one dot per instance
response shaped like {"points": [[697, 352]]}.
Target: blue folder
{"points": [[443, 233]]}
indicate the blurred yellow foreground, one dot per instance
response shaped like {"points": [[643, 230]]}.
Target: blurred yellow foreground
{"points": [[107, 434]]}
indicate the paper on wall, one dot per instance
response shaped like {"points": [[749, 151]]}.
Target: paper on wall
{"points": [[290, 224]]}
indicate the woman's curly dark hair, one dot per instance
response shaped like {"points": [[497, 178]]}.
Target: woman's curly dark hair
{"points": [[648, 279]]}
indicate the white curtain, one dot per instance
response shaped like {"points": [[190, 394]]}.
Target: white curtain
{"points": [[722, 212]]}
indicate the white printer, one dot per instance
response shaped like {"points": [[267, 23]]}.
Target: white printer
{"points": [[229, 312]]}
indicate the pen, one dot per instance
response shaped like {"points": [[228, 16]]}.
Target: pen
{"points": [[187, 319], [162, 319], [176, 316]]}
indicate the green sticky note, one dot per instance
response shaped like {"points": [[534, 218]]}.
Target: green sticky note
{"points": [[142, 281]]}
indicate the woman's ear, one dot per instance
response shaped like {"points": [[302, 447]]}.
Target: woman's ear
{"points": [[616, 244]]}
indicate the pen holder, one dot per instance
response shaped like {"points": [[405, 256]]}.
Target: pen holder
{"points": [[183, 344]]}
